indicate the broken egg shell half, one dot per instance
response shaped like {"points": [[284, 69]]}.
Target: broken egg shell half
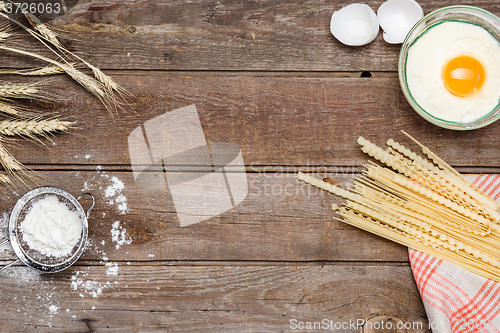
{"points": [[397, 17], [354, 25]]}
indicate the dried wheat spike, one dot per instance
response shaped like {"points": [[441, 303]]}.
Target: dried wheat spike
{"points": [[13, 166], [10, 110], [5, 180], [30, 128], [51, 37], [105, 95], [108, 82], [42, 71], [103, 78], [43, 29], [47, 70], [8, 161], [18, 90], [4, 36], [5, 31]]}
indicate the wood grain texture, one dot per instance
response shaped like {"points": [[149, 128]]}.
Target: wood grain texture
{"points": [[223, 35], [281, 220], [207, 298], [276, 121], [269, 77]]}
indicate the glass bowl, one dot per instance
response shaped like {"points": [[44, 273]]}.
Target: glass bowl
{"points": [[467, 14]]}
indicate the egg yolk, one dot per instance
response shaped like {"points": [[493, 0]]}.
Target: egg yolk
{"points": [[463, 75]]}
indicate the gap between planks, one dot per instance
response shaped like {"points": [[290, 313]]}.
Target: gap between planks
{"points": [[239, 263], [255, 73], [286, 169]]}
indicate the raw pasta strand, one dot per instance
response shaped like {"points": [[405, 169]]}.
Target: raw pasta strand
{"points": [[424, 204]]}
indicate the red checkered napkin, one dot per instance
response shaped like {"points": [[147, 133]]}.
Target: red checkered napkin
{"points": [[455, 299]]}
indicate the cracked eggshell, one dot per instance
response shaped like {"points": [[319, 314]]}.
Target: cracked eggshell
{"points": [[397, 17], [354, 25]]}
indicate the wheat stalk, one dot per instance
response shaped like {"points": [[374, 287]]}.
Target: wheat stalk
{"points": [[104, 87], [105, 95], [100, 85], [50, 36]]}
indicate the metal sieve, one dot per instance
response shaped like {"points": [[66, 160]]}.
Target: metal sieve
{"points": [[36, 259]]}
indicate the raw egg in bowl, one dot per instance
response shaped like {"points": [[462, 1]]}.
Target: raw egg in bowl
{"points": [[449, 67]]}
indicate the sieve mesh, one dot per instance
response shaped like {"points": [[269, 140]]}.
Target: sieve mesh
{"points": [[34, 258]]}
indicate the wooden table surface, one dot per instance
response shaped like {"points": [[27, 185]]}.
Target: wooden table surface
{"points": [[269, 77]]}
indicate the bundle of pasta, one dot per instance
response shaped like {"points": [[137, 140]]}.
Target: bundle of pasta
{"points": [[422, 203]]}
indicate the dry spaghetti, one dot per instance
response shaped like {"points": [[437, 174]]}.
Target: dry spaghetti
{"points": [[422, 203]]}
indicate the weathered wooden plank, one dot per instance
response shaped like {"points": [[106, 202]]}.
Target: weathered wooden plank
{"points": [[222, 35], [281, 219], [276, 121], [208, 298]]}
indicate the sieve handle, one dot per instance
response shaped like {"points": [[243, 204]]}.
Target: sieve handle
{"points": [[93, 202], [9, 264]]}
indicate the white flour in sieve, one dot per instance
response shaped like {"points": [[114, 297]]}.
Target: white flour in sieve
{"points": [[51, 228]]}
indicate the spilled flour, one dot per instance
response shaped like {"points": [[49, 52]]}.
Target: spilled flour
{"points": [[112, 187], [116, 187], [43, 294], [86, 283], [87, 287], [119, 235], [112, 268], [53, 309]]}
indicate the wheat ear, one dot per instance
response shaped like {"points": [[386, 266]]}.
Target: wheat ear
{"points": [[4, 36], [8, 161], [19, 90], [51, 37], [5, 180], [10, 110], [5, 31], [105, 93], [42, 71], [14, 167], [106, 96], [30, 128], [43, 29]]}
